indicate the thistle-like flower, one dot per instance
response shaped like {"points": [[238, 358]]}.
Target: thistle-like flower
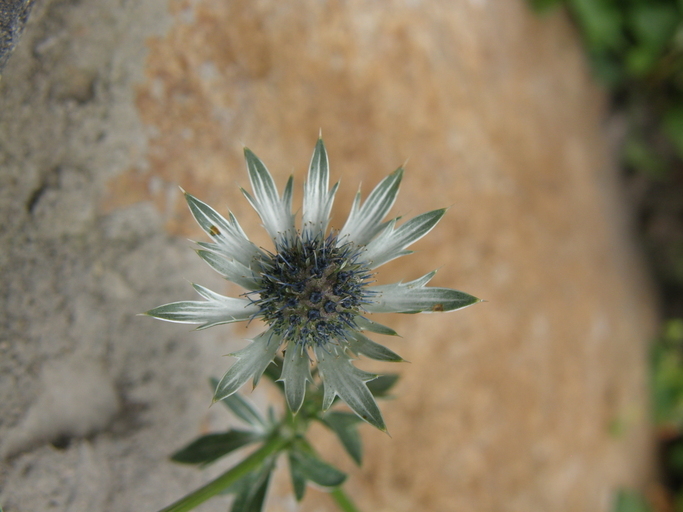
{"points": [[314, 289]]}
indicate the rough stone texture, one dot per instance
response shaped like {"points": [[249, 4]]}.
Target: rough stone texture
{"points": [[533, 401], [13, 17]]}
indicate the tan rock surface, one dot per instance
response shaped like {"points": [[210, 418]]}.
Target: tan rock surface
{"points": [[535, 400]]}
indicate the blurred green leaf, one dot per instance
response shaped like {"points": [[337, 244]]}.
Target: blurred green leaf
{"points": [[653, 26], [273, 372], [250, 491], [674, 458], [242, 408], [211, 447], [630, 501], [543, 6], [345, 425], [673, 127], [667, 375], [673, 332], [298, 478], [314, 469], [602, 23], [380, 386], [252, 495], [641, 157], [653, 23]]}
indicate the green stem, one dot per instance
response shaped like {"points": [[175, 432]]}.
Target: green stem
{"points": [[252, 462], [342, 499]]}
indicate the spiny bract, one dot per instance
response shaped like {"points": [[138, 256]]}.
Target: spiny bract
{"points": [[313, 291]]}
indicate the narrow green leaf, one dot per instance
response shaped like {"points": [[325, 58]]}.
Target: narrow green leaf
{"points": [[296, 373], [602, 23], [361, 344], [342, 379], [298, 478], [251, 362], [251, 494], [273, 372], [543, 6], [211, 447], [630, 501], [315, 470], [345, 425], [270, 448], [415, 297], [673, 127], [368, 325], [380, 386], [242, 408]]}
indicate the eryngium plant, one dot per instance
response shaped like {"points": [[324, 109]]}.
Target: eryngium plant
{"points": [[314, 288]]}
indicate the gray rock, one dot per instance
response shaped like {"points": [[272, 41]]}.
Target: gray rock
{"points": [[13, 17]]}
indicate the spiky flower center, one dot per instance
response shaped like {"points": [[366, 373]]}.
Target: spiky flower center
{"points": [[312, 289]]}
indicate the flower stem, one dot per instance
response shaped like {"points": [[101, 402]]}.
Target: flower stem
{"points": [[343, 501], [252, 462]]}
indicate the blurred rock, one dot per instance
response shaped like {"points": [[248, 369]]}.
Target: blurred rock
{"points": [[77, 399], [13, 17]]}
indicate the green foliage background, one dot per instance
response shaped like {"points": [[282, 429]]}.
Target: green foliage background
{"points": [[636, 48]]}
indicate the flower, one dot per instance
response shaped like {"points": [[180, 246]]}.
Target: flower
{"points": [[315, 288]]}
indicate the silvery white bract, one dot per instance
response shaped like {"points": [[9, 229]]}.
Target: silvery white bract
{"points": [[313, 291]]}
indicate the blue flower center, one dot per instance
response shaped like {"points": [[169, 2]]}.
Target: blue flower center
{"points": [[312, 289]]}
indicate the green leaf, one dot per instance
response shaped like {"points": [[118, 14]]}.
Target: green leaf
{"points": [[251, 494], [211, 447], [368, 325], [674, 459], [601, 22], [345, 425], [608, 68], [630, 501], [273, 372], [251, 362], [342, 379], [415, 297], [242, 408], [667, 376], [673, 127], [642, 157], [296, 372], [360, 344], [314, 469], [380, 386], [544, 6], [298, 478], [653, 26]]}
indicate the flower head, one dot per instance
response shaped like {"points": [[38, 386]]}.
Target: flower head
{"points": [[314, 289]]}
